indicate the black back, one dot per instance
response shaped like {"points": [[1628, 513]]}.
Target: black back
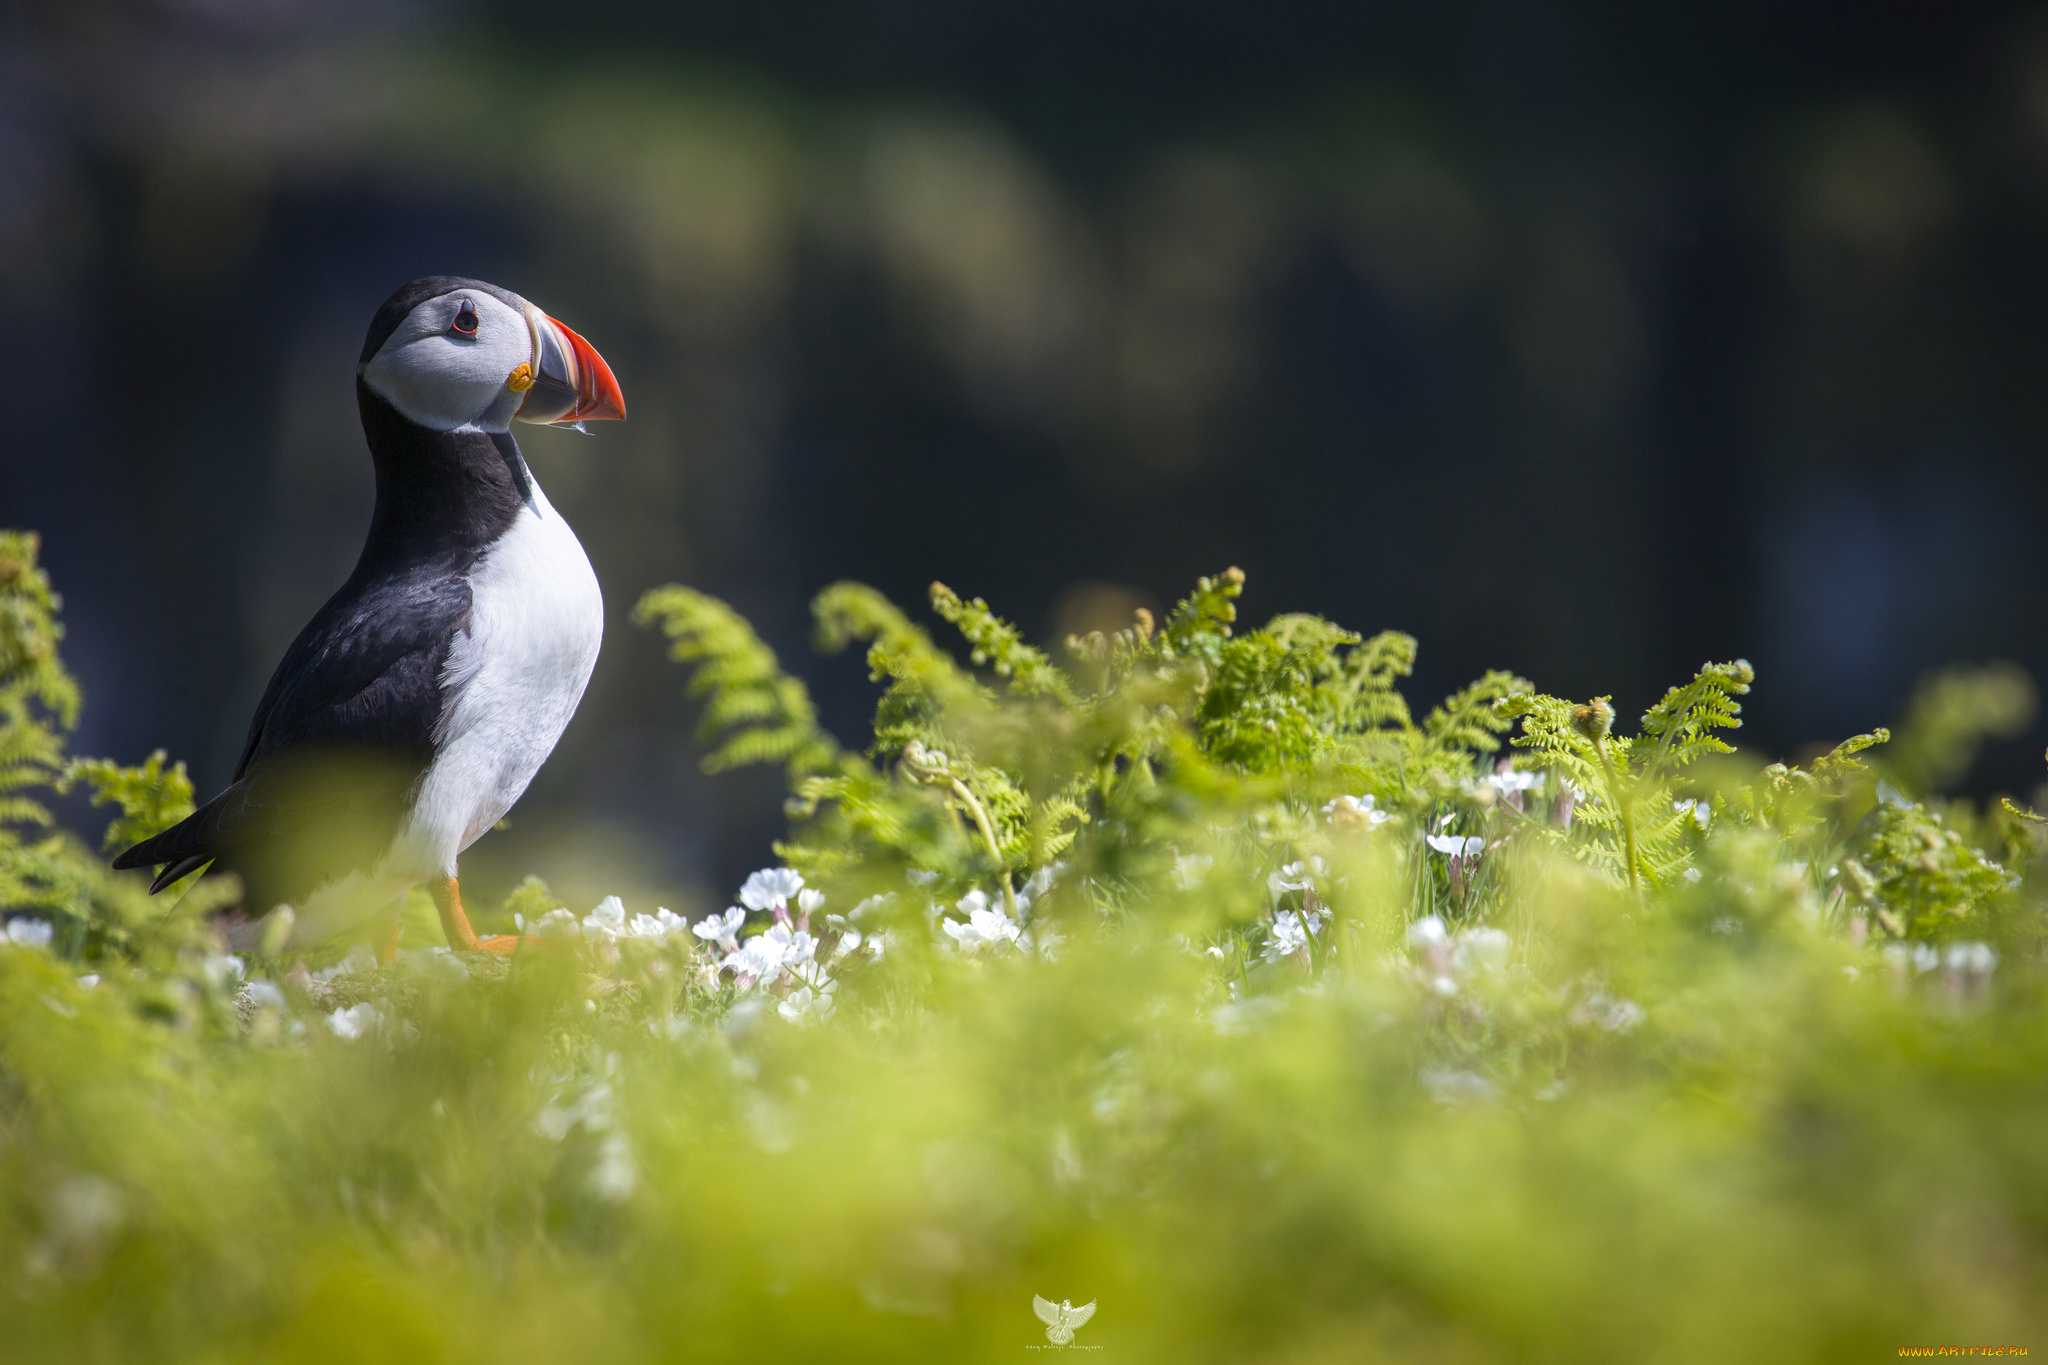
{"points": [[346, 728]]}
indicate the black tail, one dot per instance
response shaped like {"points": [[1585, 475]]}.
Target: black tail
{"points": [[185, 847]]}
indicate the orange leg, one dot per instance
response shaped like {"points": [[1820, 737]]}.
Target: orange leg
{"points": [[455, 924], [387, 945]]}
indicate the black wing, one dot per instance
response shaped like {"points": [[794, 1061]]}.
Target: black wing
{"points": [[342, 734]]}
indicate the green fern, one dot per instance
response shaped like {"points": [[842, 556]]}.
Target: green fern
{"points": [[763, 714], [38, 698], [1638, 833], [1200, 624], [151, 796], [997, 644], [1367, 694], [1268, 705], [30, 632], [1681, 728], [1950, 715]]}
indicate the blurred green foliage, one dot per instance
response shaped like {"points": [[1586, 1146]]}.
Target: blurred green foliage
{"points": [[1188, 975]]}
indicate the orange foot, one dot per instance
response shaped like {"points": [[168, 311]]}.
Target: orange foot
{"points": [[387, 946], [455, 924], [505, 945]]}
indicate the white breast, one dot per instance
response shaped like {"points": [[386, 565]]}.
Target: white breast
{"points": [[511, 684]]}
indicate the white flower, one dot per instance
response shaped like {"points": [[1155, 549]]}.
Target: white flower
{"points": [[771, 888], [1449, 1087], [796, 945], [660, 924], [1969, 965], [724, 930], [613, 1175], [1432, 943], [1607, 1013], [1480, 950], [354, 1021], [1190, 868], [1040, 882], [849, 939], [359, 960], [437, 964], [1358, 811], [591, 1108], [221, 970], [559, 924], [809, 901], [29, 933], [765, 957], [1971, 957], [1295, 877], [1915, 959], [757, 961], [805, 1005], [986, 924], [608, 920], [1285, 936], [811, 1002], [1514, 780], [262, 995], [1625, 1015], [1456, 847], [1045, 941], [1700, 811]]}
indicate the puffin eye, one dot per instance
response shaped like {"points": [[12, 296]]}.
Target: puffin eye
{"points": [[465, 320]]}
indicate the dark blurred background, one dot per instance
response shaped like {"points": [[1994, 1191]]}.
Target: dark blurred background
{"points": [[1591, 341]]}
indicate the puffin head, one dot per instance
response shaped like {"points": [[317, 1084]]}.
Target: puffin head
{"points": [[453, 354]]}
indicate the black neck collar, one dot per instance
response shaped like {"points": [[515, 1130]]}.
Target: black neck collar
{"points": [[440, 494]]}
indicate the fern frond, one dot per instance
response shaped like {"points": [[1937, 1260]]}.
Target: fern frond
{"points": [[997, 644], [152, 797], [30, 666], [1680, 728], [765, 714], [1952, 712], [1472, 719], [898, 649], [1262, 709], [1842, 758], [1370, 696], [1200, 623]]}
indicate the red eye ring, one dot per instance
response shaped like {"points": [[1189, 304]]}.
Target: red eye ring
{"points": [[465, 320]]}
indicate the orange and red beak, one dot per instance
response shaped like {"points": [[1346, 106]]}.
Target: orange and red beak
{"points": [[571, 382]]}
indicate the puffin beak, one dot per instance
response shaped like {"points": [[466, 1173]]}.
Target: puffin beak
{"points": [[568, 381]]}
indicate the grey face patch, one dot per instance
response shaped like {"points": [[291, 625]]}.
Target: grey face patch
{"points": [[446, 379]]}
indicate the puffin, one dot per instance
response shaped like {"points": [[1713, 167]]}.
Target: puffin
{"points": [[418, 703]]}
